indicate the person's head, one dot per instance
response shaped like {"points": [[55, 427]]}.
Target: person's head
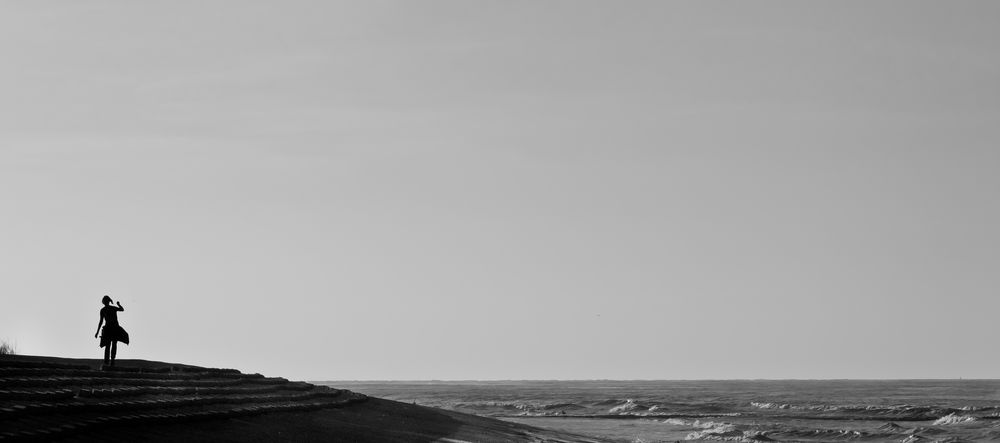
{"points": [[106, 300]]}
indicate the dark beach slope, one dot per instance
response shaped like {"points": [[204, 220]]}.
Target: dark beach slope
{"points": [[58, 399]]}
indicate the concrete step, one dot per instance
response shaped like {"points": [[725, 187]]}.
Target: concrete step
{"points": [[37, 394], [117, 373], [36, 431], [41, 381], [27, 410], [189, 390], [13, 363]]}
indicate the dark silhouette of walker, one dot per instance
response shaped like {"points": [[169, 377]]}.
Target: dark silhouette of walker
{"points": [[112, 332]]}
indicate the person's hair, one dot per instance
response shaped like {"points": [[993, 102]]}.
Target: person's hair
{"points": [[106, 299]]}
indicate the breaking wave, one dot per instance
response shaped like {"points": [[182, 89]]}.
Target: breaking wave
{"points": [[725, 432], [628, 406], [954, 419]]}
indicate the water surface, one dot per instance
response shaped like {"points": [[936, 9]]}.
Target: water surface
{"points": [[746, 410]]}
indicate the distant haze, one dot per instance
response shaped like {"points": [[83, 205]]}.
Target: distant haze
{"points": [[506, 189]]}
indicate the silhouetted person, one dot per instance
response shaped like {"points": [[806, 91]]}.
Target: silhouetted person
{"points": [[112, 332]]}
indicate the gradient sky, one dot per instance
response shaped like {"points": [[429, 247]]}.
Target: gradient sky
{"points": [[506, 189]]}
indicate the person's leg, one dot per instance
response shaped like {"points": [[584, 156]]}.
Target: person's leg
{"points": [[114, 350], [107, 354]]}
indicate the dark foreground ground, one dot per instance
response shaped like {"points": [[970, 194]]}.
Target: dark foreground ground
{"points": [[57, 399]]}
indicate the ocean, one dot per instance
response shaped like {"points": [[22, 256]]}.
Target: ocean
{"points": [[746, 410]]}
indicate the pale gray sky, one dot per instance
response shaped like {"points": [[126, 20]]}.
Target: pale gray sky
{"points": [[462, 190]]}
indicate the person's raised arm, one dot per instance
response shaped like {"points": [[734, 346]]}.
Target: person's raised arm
{"points": [[120, 308], [99, 322]]}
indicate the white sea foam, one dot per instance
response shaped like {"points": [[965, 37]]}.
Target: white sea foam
{"points": [[769, 405], [676, 422], [721, 431], [727, 432], [629, 405], [954, 419], [711, 424]]}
